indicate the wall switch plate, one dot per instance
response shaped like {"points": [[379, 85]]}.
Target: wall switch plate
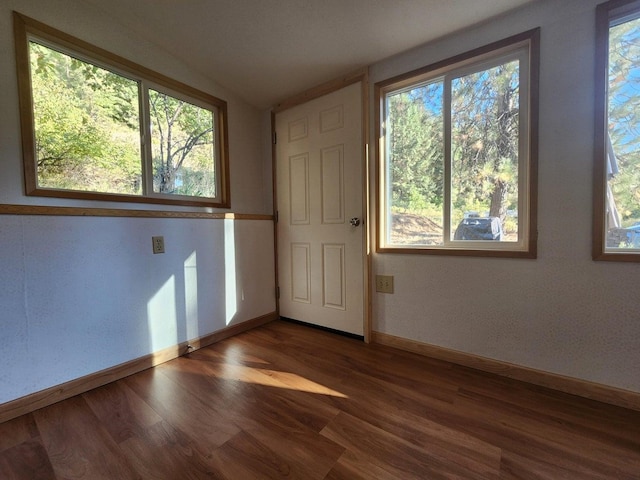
{"points": [[384, 283], [158, 244]]}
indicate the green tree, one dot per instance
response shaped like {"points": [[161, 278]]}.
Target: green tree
{"points": [[485, 117], [183, 150], [417, 153], [65, 132], [80, 143]]}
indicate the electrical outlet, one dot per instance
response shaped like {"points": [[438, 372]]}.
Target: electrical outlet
{"points": [[384, 283], [158, 244]]}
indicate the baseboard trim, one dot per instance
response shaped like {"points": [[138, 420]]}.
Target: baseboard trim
{"points": [[49, 396], [574, 386]]}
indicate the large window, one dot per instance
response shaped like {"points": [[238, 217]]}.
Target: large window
{"points": [[96, 126], [457, 160], [617, 136]]}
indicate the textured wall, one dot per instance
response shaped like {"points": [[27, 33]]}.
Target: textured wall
{"points": [[562, 312], [83, 294]]}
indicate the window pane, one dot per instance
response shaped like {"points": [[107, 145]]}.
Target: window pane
{"points": [[182, 147], [415, 149], [484, 154], [86, 125], [623, 152]]}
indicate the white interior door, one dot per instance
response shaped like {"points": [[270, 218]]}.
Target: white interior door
{"points": [[319, 152]]}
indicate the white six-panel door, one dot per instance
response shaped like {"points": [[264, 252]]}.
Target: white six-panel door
{"points": [[319, 155]]}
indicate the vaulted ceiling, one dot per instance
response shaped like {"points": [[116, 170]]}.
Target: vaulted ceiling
{"points": [[268, 50]]}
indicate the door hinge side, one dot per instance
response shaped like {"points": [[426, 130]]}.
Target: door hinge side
{"points": [[278, 293], [275, 138], [277, 216]]}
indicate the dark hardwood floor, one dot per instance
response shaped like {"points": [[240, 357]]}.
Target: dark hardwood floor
{"points": [[287, 401]]}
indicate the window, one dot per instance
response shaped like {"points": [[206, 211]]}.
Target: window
{"points": [[96, 126], [457, 154], [617, 133]]}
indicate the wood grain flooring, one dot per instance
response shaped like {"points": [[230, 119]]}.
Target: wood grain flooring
{"points": [[288, 401]]}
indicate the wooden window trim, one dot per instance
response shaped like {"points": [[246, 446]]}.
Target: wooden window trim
{"points": [[25, 26], [531, 38], [604, 15]]}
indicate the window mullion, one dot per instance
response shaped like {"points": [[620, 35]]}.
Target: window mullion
{"points": [[523, 148], [446, 112], [388, 173], [145, 138]]}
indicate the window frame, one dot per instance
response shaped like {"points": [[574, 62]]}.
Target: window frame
{"points": [[606, 14], [475, 60], [27, 29]]}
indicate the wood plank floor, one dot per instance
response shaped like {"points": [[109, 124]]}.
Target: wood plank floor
{"points": [[288, 401]]}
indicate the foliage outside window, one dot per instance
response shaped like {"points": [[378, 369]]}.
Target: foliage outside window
{"points": [[457, 154], [97, 126], [617, 135]]}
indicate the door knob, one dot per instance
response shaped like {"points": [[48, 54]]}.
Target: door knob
{"points": [[355, 222]]}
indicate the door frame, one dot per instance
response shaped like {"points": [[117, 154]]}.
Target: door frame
{"points": [[361, 76]]}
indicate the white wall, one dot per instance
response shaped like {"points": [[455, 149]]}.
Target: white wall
{"points": [[81, 294], [563, 312]]}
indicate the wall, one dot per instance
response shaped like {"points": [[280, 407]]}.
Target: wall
{"points": [[81, 294], [562, 312]]}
